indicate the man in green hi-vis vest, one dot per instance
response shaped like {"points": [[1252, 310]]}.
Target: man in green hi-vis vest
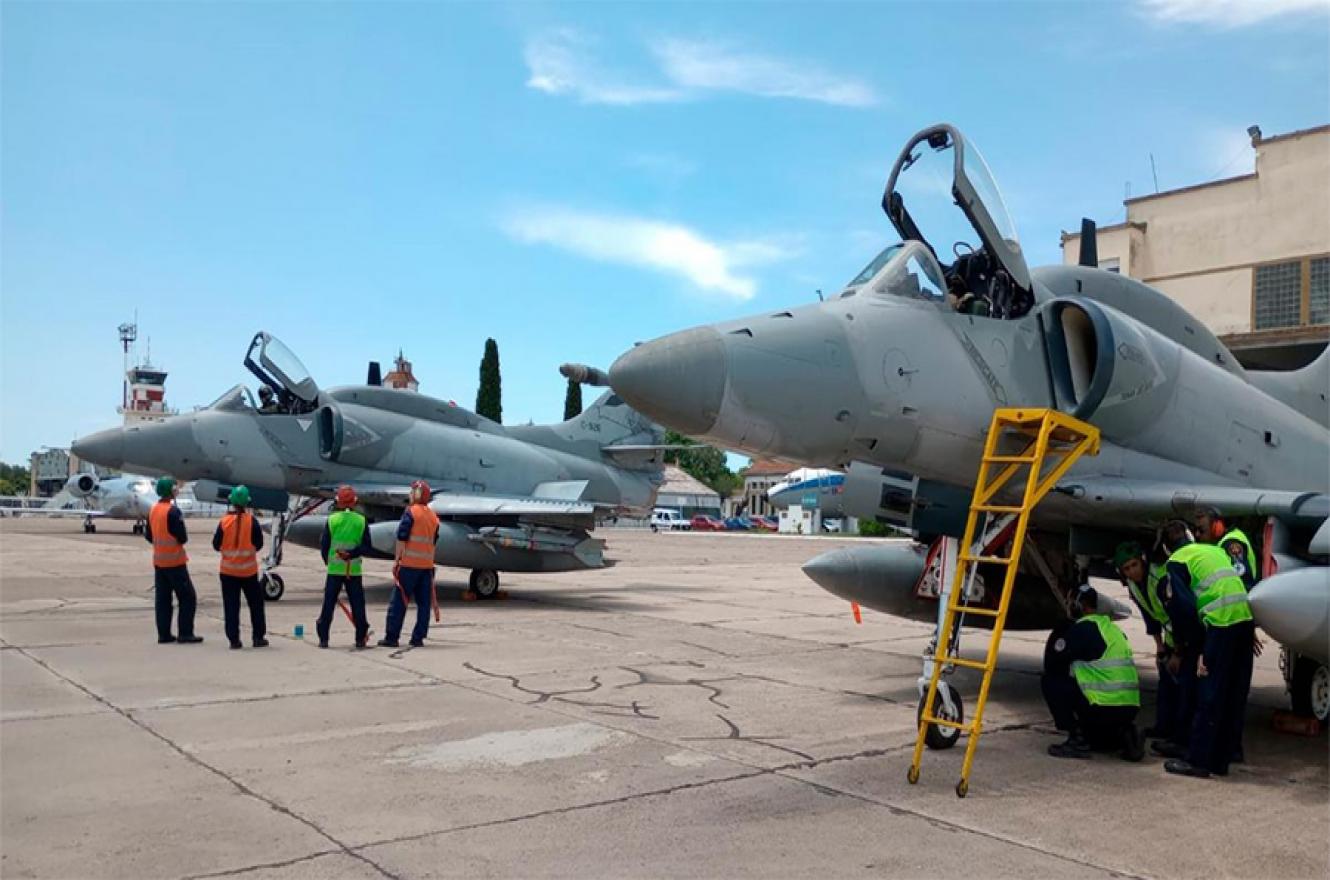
{"points": [[1202, 577], [1176, 662], [1090, 684], [345, 542]]}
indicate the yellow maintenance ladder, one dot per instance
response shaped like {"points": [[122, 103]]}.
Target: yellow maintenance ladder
{"points": [[1048, 435]]}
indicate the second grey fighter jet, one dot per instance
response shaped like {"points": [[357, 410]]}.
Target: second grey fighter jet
{"points": [[521, 498], [895, 378]]}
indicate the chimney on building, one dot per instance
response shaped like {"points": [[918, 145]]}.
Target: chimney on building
{"points": [[1254, 132]]}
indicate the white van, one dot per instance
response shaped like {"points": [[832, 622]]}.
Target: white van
{"points": [[665, 518]]}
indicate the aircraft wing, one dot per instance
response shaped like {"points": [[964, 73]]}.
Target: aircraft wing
{"points": [[1114, 498], [81, 513]]}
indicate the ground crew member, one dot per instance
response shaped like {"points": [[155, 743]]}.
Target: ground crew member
{"points": [[1211, 529], [239, 538], [1205, 573], [344, 543], [1090, 684], [165, 531], [1142, 579], [417, 533]]}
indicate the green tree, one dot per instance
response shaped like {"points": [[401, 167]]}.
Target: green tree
{"points": [[704, 463], [572, 401], [489, 396], [13, 479]]}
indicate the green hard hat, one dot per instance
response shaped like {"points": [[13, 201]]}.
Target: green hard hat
{"points": [[1127, 550], [240, 496], [165, 486]]}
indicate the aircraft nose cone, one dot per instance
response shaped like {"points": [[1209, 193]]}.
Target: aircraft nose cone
{"points": [[677, 380], [106, 448]]}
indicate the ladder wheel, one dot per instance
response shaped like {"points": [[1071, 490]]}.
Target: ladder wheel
{"points": [[912, 774], [963, 788], [936, 736]]}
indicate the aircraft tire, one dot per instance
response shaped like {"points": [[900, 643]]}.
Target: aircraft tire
{"points": [[273, 585], [484, 582], [936, 737], [1310, 688], [89, 528]]}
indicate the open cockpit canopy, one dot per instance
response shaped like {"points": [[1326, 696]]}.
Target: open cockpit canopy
{"points": [[984, 268], [279, 369]]}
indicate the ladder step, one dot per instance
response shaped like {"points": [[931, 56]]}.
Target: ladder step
{"points": [[975, 609], [1009, 459], [997, 508], [997, 560], [965, 727], [967, 663]]}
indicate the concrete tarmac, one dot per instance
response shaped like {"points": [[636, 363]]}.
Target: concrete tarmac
{"points": [[700, 709]]}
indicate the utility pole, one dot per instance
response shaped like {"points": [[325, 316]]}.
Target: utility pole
{"points": [[128, 334]]}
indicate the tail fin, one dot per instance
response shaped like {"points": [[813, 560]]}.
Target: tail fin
{"points": [[1305, 390], [604, 426]]}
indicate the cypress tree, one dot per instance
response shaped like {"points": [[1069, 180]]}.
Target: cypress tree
{"points": [[489, 396], [572, 401]]}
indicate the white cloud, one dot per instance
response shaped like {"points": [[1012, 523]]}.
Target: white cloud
{"points": [[650, 244], [560, 63], [563, 62], [1226, 13], [716, 66]]}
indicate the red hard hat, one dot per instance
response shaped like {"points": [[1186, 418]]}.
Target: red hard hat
{"points": [[346, 496], [421, 487]]}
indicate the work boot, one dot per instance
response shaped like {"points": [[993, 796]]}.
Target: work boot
{"points": [[260, 642], [323, 643], [189, 640], [1165, 749], [417, 643], [362, 644], [1179, 767], [1074, 747], [236, 646], [1133, 747], [388, 643], [166, 641]]}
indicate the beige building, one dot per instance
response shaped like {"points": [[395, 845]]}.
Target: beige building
{"points": [[1248, 255]]}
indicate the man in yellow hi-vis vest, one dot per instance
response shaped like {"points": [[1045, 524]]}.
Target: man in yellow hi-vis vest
{"points": [[1090, 684]]}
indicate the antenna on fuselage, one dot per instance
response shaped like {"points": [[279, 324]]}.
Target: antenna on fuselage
{"points": [[1089, 244]]}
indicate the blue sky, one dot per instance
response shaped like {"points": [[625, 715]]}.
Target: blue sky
{"points": [[566, 178]]}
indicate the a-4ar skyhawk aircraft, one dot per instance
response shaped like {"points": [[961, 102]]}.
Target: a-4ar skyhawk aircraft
{"points": [[521, 498], [894, 380]]}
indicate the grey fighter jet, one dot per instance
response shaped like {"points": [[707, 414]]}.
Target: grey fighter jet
{"points": [[895, 378], [521, 498]]}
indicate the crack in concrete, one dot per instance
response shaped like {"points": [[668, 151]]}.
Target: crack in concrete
{"points": [[633, 708], [198, 762], [650, 678], [736, 734], [266, 866]]}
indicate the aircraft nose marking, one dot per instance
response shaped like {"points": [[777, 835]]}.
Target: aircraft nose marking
{"points": [[678, 380]]}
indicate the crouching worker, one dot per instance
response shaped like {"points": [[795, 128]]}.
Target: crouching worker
{"points": [[1090, 684], [345, 542], [239, 539]]}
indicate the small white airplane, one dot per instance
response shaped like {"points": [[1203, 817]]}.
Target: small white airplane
{"points": [[123, 497]]}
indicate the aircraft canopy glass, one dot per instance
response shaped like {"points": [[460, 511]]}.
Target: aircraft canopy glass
{"points": [[937, 173], [277, 367], [908, 269]]}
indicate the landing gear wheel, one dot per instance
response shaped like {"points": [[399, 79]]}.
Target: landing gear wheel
{"points": [[963, 788], [912, 774], [273, 585], [484, 582], [1311, 689], [89, 528], [936, 736]]}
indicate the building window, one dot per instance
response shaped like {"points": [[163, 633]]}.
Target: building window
{"points": [[1114, 265], [1277, 296], [1318, 291]]}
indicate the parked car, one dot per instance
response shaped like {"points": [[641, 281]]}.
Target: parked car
{"points": [[766, 523], [833, 525], [704, 523], [670, 520], [738, 524]]}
